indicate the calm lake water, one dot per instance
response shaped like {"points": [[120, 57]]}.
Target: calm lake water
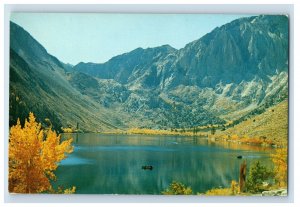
{"points": [[112, 164]]}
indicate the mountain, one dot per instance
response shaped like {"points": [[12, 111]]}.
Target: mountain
{"points": [[231, 73], [237, 51], [38, 84], [129, 66]]}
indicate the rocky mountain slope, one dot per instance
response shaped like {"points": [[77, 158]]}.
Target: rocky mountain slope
{"points": [[38, 84], [241, 50], [236, 70]]}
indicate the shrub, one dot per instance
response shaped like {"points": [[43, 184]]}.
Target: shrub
{"points": [[177, 188], [218, 192]]}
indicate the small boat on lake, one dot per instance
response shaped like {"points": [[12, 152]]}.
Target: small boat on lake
{"points": [[147, 167]]}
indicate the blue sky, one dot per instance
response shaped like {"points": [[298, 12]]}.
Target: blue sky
{"points": [[91, 37]]}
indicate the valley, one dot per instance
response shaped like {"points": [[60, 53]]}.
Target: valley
{"points": [[159, 88], [155, 120]]}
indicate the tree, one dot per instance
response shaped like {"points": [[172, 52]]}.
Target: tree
{"points": [[279, 159], [33, 157], [213, 130], [242, 177], [257, 175]]}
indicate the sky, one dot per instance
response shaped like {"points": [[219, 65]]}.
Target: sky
{"points": [[92, 37]]}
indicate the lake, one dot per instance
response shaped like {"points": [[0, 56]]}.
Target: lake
{"points": [[112, 164]]}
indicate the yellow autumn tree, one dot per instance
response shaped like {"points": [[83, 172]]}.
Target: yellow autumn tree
{"points": [[279, 159], [34, 154]]}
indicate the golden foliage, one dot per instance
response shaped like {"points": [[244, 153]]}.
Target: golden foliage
{"points": [[33, 156], [67, 130], [219, 192], [279, 159], [245, 139], [176, 188], [234, 137], [160, 132], [70, 190], [234, 187], [61, 190], [233, 190]]}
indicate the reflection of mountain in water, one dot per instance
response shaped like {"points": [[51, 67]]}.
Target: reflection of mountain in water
{"points": [[114, 164]]}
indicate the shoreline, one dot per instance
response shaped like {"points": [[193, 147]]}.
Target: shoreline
{"points": [[259, 142]]}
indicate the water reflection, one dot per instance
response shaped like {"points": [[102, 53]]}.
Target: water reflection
{"points": [[111, 164]]}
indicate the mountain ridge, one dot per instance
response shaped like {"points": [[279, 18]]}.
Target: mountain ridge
{"points": [[227, 74], [185, 63]]}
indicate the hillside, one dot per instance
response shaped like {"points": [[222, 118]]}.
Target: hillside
{"points": [[38, 84], [271, 125]]}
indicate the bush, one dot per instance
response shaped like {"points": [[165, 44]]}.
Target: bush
{"points": [[176, 188], [218, 192]]}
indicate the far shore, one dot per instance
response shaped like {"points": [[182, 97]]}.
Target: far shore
{"points": [[260, 141]]}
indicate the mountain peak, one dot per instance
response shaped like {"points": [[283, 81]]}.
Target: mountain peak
{"points": [[28, 47], [164, 47], [231, 70], [21, 39]]}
